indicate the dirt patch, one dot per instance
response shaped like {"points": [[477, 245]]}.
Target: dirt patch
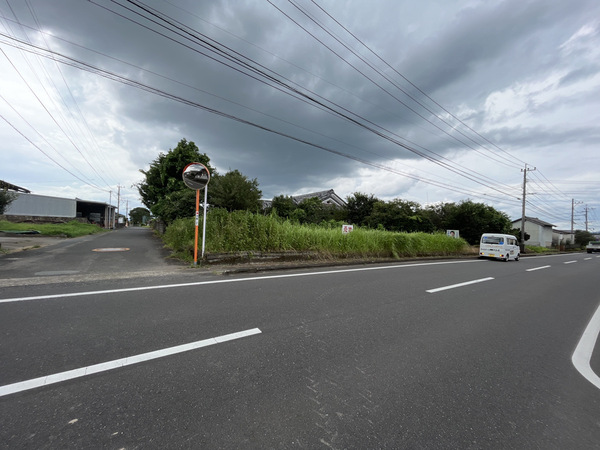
{"points": [[10, 243]]}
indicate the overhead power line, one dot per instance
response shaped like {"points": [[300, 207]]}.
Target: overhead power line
{"points": [[361, 42], [262, 74], [129, 82]]}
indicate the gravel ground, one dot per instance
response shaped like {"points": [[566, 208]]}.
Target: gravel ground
{"points": [[10, 243]]}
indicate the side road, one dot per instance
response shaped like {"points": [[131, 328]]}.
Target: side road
{"points": [[124, 253]]}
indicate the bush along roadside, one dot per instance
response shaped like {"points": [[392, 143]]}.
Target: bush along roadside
{"points": [[242, 231]]}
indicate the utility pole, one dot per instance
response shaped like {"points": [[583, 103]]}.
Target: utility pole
{"points": [[110, 221], [573, 203], [587, 208], [523, 210], [118, 200], [572, 216]]}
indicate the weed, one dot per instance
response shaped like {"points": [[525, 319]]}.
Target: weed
{"points": [[241, 231]]}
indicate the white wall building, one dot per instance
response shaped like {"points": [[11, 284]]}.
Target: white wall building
{"points": [[540, 232]]}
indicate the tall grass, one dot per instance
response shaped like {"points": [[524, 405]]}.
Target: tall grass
{"points": [[70, 229], [246, 232]]}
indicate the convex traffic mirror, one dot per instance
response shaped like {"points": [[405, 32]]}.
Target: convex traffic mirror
{"points": [[196, 176]]}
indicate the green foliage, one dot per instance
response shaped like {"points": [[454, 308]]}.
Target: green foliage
{"points": [[538, 249], [473, 219], [244, 231], [139, 216], [316, 212], [70, 229], [360, 206], [309, 211], [234, 191], [163, 190], [284, 206], [6, 198], [399, 215], [583, 237]]}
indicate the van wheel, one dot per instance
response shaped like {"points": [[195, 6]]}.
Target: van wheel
{"points": [[517, 257]]}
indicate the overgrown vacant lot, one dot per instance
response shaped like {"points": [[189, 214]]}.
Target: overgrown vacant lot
{"points": [[246, 232]]}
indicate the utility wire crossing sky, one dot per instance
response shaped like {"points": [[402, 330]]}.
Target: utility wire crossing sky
{"points": [[426, 102]]}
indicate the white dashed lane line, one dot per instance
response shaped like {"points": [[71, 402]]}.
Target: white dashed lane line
{"points": [[537, 268], [453, 286], [118, 363]]}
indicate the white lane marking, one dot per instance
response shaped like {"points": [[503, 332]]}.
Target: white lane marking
{"points": [[569, 262], [537, 268], [587, 259], [57, 272], [117, 363], [232, 280], [466, 283], [583, 352]]}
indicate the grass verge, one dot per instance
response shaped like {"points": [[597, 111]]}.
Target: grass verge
{"points": [[69, 229]]}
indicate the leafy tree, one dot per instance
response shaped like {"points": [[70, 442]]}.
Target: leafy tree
{"points": [[163, 190], [234, 191], [583, 237], [360, 206], [284, 206], [139, 216], [439, 214], [6, 198], [399, 215], [474, 219], [314, 210]]}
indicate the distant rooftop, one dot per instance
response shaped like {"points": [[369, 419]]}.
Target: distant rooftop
{"points": [[13, 187]]}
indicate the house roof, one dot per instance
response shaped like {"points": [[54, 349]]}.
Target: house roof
{"points": [[536, 221], [324, 196], [13, 187], [328, 197], [562, 231]]}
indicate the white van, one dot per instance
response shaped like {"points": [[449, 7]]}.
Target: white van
{"points": [[501, 246]]}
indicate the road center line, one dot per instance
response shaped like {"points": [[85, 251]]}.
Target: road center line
{"points": [[118, 363], [583, 352], [466, 283], [537, 268], [569, 262], [229, 280]]}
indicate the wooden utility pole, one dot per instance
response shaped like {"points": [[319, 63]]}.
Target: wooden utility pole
{"points": [[523, 210]]}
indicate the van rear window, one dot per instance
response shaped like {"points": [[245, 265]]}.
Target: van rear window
{"points": [[492, 240]]}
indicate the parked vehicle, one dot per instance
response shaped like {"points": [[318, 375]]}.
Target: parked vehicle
{"points": [[593, 246], [499, 246]]}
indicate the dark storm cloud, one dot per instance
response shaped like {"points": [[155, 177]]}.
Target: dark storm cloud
{"points": [[461, 54]]}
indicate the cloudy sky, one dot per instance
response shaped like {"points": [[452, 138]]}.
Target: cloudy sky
{"points": [[429, 101]]}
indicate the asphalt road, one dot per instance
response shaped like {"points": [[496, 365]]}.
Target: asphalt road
{"points": [[115, 254], [445, 354]]}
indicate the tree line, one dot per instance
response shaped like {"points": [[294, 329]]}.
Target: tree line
{"points": [[165, 195]]}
